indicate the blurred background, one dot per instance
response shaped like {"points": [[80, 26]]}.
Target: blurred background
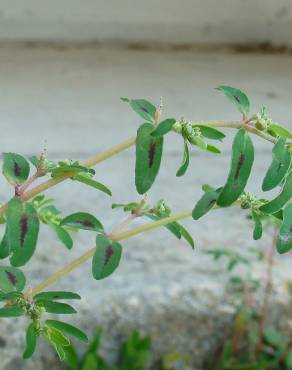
{"points": [[63, 67]]}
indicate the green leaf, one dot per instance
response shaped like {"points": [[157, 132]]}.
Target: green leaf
{"points": [[70, 168], [213, 149], [237, 97], [62, 234], [22, 230], [279, 202], [144, 108], [15, 168], [240, 169], [126, 207], [284, 242], [148, 157], [258, 228], [288, 360], [277, 130], [12, 311], [205, 203], [86, 178], [4, 247], [10, 296], [210, 132], [90, 362], [164, 127], [31, 341], [11, 279], [68, 329], [106, 258], [82, 220], [186, 160], [58, 340], [56, 307], [71, 357], [273, 337], [199, 141], [55, 295], [187, 236], [279, 166]]}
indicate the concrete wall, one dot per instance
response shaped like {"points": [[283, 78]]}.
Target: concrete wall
{"points": [[176, 21]]}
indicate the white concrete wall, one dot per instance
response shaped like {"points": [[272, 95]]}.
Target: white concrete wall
{"points": [[189, 21]]}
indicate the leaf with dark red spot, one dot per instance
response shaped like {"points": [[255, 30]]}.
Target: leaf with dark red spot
{"points": [[11, 279], [22, 231], [237, 97], [148, 157], [240, 169], [82, 220], [144, 108], [15, 168], [279, 166], [106, 258]]}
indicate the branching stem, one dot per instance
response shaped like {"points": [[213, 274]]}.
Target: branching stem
{"points": [[122, 236]]}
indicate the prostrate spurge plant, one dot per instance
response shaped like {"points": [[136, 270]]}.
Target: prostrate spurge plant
{"points": [[23, 216]]}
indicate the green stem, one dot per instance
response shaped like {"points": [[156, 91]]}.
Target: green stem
{"points": [[88, 163], [127, 144]]}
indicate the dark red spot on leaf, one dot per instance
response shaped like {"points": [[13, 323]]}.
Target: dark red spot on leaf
{"points": [[11, 277], [152, 154], [85, 223], [144, 109], [23, 228], [16, 169], [239, 165], [109, 252]]}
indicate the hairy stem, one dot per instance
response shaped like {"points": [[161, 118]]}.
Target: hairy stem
{"points": [[127, 144]]}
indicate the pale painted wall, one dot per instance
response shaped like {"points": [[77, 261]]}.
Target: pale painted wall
{"points": [[190, 21]]}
